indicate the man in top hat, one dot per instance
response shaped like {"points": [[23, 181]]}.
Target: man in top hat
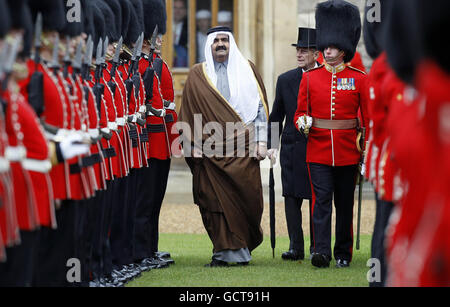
{"points": [[294, 173], [227, 186], [330, 97]]}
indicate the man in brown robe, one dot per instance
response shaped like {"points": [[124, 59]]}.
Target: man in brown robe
{"points": [[224, 124]]}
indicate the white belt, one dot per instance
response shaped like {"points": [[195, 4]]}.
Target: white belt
{"points": [[106, 130], [120, 121], [40, 166], [142, 109], [162, 115], [172, 106], [134, 120], [94, 133], [15, 154], [112, 125], [4, 165]]}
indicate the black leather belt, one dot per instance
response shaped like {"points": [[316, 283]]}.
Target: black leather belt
{"points": [[156, 128], [144, 136], [91, 160], [169, 118], [109, 152]]}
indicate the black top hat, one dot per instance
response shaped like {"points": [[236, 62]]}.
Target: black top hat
{"points": [[306, 38], [338, 24]]}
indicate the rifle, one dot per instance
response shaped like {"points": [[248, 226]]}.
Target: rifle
{"points": [[115, 63], [36, 84], [361, 185], [55, 57]]}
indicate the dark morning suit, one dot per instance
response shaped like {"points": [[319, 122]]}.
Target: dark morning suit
{"points": [[294, 172]]}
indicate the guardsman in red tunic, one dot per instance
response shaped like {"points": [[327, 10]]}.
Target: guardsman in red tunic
{"points": [[418, 246], [329, 101], [161, 117], [153, 180], [380, 167]]}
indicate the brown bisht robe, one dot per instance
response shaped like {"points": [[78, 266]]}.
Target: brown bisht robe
{"points": [[227, 189]]}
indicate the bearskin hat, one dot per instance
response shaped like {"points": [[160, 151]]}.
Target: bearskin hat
{"points": [[338, 24]]}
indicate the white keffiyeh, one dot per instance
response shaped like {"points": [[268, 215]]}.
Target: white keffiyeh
{"points": [[245, 96]]}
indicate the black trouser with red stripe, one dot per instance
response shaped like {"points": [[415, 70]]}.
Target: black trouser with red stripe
{"points": [[326, 182]]}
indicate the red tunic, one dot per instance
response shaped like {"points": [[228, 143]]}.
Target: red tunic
{"points": [[326, 101], [118, 162], [55, 113], [158, 140], [136, 157], [168, 94], [419, 240]]}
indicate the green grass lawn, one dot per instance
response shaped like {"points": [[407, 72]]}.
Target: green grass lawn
{"points": [[192, 252]]}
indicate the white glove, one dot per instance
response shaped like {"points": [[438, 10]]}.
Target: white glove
{"points": [[273, 154], [261, 151], [362, 169], [72, 146], [301, 124]]}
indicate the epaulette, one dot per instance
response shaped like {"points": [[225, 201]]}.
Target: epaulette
{"points": [[351, 67], [312, 69]]}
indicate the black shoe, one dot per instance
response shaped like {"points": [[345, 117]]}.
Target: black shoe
{"points": [[320, 260], [242, 263], [144, 266], [156, 263], [293, 255], [162, 254], [165, 259], [216, 264], [340, 263]]}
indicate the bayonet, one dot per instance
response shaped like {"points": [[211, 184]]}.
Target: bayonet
{"points": [[37, 38], [105, 49], [10, 59], [55, 58], [153, 45], [115, 61], [99, 54], [153, 39], [99, 61], [66, 59], [87, 60], [140, 43], [118, 49], [77, 60]]}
